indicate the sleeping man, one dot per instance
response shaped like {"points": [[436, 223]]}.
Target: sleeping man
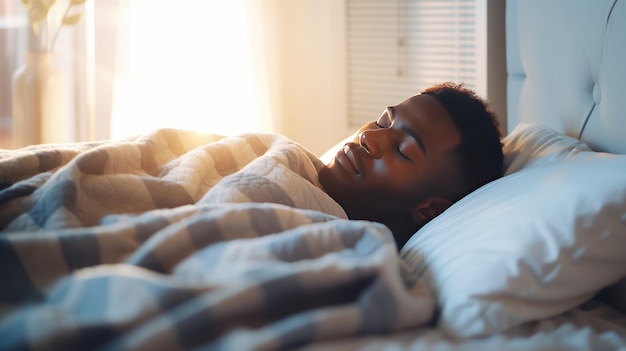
{"points": [[401, 170], [417, 159]]}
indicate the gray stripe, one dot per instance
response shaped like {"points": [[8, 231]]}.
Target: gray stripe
{"points": [[295, 163], [256, 144], [196, 324], [17, 190], [149, 261], [61, 194], [379, 307], [80, 250], [16, 285], [291, 248], [223, 158], [360, 240], [317, 217], [204, 231], [24, 187], [93, 162], [283, 296], [351, 237], [148, 225], [295, 332], [166, 194], [49, 160], [91, 337], [148, 163], [258, 189], [265, 221], [175, 304]]}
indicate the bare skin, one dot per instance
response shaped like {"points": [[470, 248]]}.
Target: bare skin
{"points": [[400, 170]]}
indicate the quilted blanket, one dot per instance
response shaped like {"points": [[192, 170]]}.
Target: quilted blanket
{"points": [[181, 240]]}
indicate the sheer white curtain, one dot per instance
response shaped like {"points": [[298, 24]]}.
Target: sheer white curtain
{"points": [[13, 46], [220, 66], [189, 64]]}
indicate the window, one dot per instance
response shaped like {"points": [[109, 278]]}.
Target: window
{"points": [[396, 49]]}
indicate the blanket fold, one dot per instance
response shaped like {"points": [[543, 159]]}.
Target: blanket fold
{"points": [[178, 239]]}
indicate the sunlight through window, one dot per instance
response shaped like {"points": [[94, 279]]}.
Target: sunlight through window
{"points": [[188, 65]]}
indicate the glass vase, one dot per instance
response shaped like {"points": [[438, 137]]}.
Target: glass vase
{"points": [[39, 104]]}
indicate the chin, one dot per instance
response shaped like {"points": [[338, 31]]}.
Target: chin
{"points": [[322, 177]]}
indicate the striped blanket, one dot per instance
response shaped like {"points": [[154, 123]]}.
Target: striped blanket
{"points": [[180, 240]]}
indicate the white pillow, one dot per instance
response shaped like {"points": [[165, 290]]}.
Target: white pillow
{"points": [[534, 144], [532, 244]]}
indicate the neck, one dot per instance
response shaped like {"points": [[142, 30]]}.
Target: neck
{"points": [[403, 230]]}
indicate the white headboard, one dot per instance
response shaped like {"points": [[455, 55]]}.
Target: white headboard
{"points": [[566, 63]]}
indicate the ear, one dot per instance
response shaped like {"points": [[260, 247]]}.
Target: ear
{"points": [[428, 209]]}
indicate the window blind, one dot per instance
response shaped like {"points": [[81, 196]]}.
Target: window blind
{"points": [[397, 48]]}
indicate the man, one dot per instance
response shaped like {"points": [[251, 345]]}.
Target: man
{"points": [[417, 159]]}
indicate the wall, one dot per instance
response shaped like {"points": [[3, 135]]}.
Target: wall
{"points": [[312, 74]]}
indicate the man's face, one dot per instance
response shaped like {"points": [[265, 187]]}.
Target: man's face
{"points": [[396, 162]]}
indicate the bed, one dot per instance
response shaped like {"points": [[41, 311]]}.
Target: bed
{"points": [[186, 240]]}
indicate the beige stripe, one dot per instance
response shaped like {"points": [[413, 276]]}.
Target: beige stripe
{"points": [[117, 245], [102, 195], [42, 257], [174, 247]]}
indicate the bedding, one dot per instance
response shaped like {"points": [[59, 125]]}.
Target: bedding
{"points": [[240, 268], [177, 240], [185, 240], [592, 326], [541, 240]]}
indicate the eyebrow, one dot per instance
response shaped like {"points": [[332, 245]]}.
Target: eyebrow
{"points": [[405, 128]]}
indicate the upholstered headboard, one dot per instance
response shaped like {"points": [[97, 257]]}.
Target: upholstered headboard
{"points": [[566, 63]]}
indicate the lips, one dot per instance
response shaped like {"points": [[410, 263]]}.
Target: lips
{"points": [[347, 158]]}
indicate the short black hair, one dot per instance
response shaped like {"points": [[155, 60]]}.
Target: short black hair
{"points": [[480, 150]]}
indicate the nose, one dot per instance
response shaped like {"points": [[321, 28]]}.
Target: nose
{"points": [[371, 140]]}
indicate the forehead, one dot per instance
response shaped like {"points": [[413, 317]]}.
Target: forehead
{"points": [[423, 106], [426, 116]]}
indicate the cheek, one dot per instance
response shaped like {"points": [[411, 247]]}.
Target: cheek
{"points": [[441, 181], [397, 172], [399, 181]]}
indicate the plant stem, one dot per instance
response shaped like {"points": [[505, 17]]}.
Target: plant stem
{"points": [[56, 34], [47, 38]]}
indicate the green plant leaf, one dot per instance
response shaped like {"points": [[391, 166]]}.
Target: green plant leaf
{"points": [[73, 19]]}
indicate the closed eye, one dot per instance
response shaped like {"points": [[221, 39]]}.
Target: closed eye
{"points": [[401, 153]]}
